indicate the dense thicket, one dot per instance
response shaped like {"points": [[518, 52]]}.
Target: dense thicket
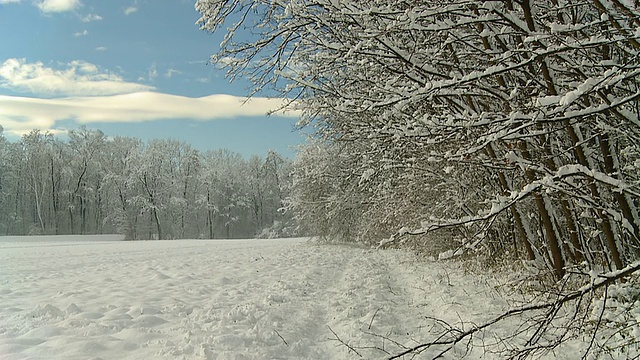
{"points": [[507, 129], [512, 125], [163, 189]]}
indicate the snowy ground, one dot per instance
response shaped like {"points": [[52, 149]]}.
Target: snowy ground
{"points": [[235, 299]]}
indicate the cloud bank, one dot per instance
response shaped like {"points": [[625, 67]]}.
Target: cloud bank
{"points": [[78, 78], [55, 6], [87, 95]]}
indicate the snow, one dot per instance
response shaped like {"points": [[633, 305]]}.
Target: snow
{"points": [[366, 175], [99, 298]]}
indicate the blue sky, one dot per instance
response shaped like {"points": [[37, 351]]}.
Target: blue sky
{"points": [[128, 67]]}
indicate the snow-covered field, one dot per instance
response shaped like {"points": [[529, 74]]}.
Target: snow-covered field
{"points": [[97, 298]]}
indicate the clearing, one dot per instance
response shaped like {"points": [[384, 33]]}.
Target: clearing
{"points": [[96, 298]]}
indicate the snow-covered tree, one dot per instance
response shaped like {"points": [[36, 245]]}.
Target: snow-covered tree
{"points": [[120, 165], [226, 198], [35, 150], [518, 120], [164, 189], [511, 125], [85, 179], [5, 184]]}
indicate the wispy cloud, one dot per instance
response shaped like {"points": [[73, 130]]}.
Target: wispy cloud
{"points": [[19, 115], [130, 10], [153, 72], [55, 6], [101, 48], [81, 33], [77, 78], [172, 72], [9, 1], [85, 94], [90, 17]]}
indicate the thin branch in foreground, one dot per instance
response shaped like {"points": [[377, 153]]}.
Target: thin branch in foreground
{"points": [[280, 336], [337, 338], [373, 317], [553, 306]]}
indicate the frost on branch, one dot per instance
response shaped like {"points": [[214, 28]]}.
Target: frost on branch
{"points": [[504, 130], [508, 128]]}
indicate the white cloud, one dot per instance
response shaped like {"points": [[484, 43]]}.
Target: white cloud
{"points": [[130, 10], [23, 126], [18, 115], [81, 33], [9, 1], [90, 18], [172, 72], [101, 48], [89, 95], [153, 72], [54, 6], [78, 78]]}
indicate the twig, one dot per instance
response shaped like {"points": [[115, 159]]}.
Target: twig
{"points": [[373, 317], [604, 306], [551, 306], [342, 342], [386, 338], [280, 336]]}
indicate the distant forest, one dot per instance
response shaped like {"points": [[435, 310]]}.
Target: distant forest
{"points": [[162, 189]]}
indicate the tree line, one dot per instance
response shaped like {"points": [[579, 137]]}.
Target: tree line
{"points": [[161, 189], [506, 132], [511, 127]]}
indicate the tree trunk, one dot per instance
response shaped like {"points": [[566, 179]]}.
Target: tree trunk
{"points": [[209, 215], [547, 223], [157, 221], [39, 208], [610, 168], [514, 212]]}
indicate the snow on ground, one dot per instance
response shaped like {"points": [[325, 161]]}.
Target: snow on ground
{"points": [[60, 238], [232, 299]]}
